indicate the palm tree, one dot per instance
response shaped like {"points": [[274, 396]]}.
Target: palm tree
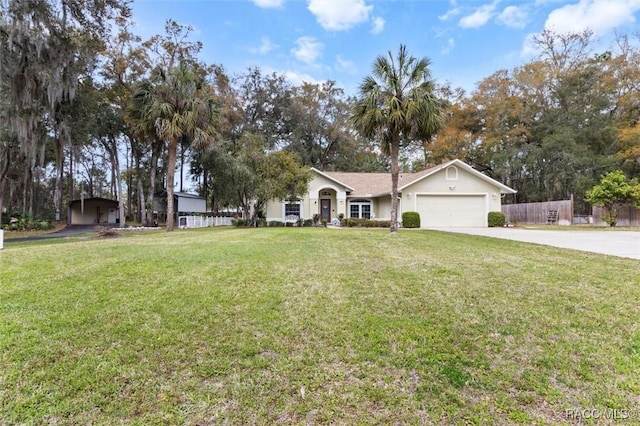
{"points": [[396, 106], [181, 107]]}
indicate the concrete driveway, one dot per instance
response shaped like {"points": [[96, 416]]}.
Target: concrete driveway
{"points": [[64, 232], [614, 243]]}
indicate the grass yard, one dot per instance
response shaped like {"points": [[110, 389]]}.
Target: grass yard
{"points": [[316, 326]]}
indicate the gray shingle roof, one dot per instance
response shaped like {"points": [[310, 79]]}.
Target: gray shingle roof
{"points": [[374, 184], [377, 184]]}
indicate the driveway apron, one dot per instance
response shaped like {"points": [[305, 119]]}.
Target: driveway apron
{"points": [[613, 243]]}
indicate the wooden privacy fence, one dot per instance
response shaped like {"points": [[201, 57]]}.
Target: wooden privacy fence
{"points": [[562, 213], [627, 216], [559, 212]]}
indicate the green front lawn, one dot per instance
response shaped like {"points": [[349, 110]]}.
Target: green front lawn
{"points": [[314, 325]]}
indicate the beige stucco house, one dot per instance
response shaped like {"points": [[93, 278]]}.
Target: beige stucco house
{"points": [[451, 194]]}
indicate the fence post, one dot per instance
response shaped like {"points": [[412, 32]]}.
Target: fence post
{"points": [[572, 210]]}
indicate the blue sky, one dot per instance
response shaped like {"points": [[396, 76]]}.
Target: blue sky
{"points": [[318, 40]]}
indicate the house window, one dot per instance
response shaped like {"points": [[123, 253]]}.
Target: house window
{"points": [[451, 173], [292, 209], [359, 209]]}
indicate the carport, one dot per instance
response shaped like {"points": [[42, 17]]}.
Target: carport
{"points": [[93, 211]]}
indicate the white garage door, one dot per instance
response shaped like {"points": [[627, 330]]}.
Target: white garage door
{"points": [[452, 210]]}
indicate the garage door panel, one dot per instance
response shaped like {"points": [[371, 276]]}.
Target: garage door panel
{"points": [[452, 210]]}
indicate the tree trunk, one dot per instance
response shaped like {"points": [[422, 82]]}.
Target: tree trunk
{"points": [[57, 194], [142, 210], [395, 172], [171, 172], [70, 186], [181, 166], [425, 154], [27, 189], [116, 178], [120, 200], [204, 187], [244, 204], [4, 169], [2, 186], [129, 182], [153, 168]]}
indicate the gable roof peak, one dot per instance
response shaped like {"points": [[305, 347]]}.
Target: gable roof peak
{"points": [[365, 184]]}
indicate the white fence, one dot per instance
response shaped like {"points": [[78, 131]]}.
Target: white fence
{"points": [[185, 222]]}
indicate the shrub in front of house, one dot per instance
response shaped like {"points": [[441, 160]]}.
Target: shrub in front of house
{"points": [[411, 220], [275, 223], [496, 219], [348, 222], [367, 223], [307, 222], [351, 222]]}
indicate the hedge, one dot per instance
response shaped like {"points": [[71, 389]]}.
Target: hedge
{"points": [[411, 220], [496, 219]]}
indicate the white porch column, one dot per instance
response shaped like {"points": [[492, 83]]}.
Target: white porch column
{"points": [[341, 197]]}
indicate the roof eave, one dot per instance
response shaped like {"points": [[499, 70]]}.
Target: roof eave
{"points": [[332, 179], [504, 189]]}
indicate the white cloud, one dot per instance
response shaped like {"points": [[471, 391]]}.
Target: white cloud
{"points": [[451, 43], [450, 14], [514, 17], [297, 78], [480, 17], [308, 50], [340, 15], [546, 2], [378, 25], [345, 65], [268, 3], [266, 46], [529, 47], [599, 16]]}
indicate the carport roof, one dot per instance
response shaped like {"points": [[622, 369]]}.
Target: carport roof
{"points": [[99, 199]]}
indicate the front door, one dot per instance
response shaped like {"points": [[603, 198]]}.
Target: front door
{"points": [[325, 210]]}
